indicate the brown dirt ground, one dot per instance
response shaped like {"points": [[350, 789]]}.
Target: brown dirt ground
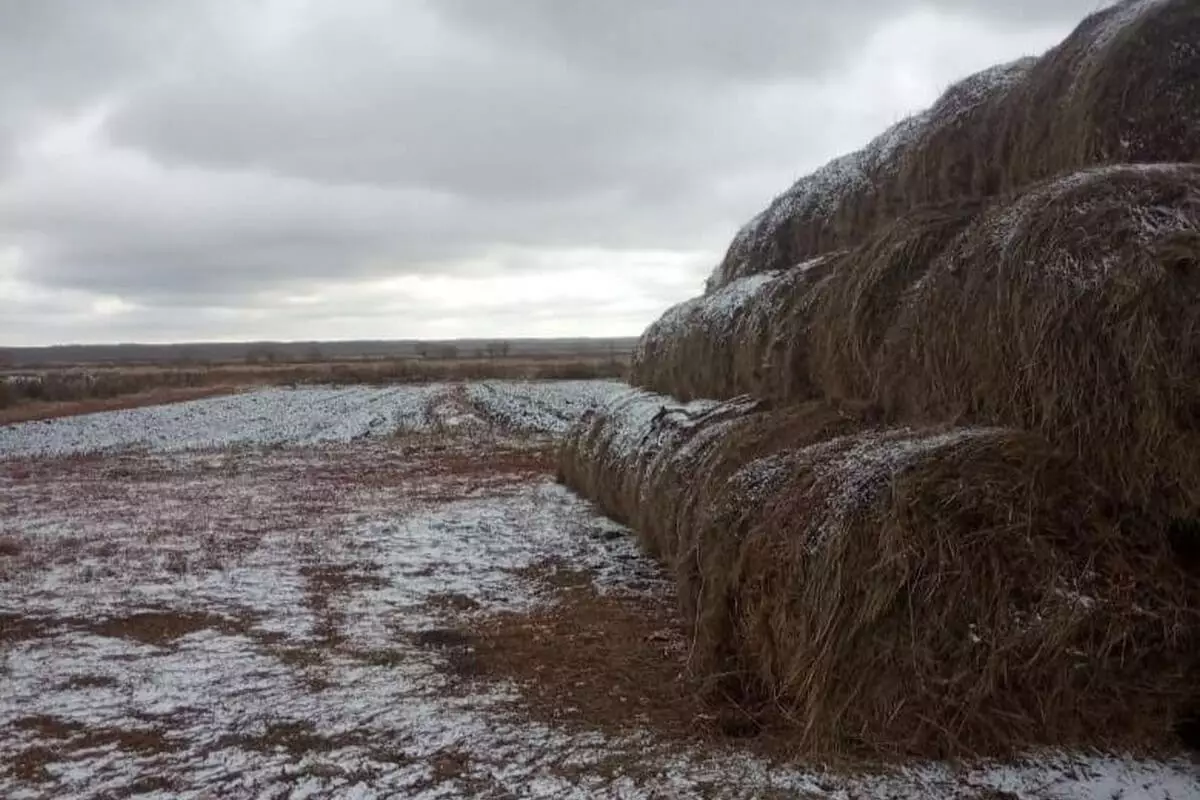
{"points": [[611, 662]]}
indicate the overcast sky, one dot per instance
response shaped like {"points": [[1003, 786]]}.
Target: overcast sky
{"points": [[304, 169]]}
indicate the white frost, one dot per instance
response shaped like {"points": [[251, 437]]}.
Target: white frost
{"points": [[307, 416]]}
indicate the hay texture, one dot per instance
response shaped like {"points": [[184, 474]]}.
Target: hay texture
{"points": [[810, 331], [1124, 87], [737, 340], [936, 591], [1074, 312], [1071, 309]]}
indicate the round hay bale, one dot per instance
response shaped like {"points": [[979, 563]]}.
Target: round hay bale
{"points": [[738, 340], [695, 350], [942, 592], [844, 201], [1073, 311], [607, 454], [648, 460], [859, 303], [1124, 87], [810, 331]]}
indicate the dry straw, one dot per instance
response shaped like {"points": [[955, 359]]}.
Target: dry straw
{"points": [[736, 340], [1124, 87], [946, 526], [1071, 309], [938, 591], [1074, 312]]}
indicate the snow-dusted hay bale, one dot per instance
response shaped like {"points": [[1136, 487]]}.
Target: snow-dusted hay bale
{"points": [[934, 591], [736, 340], [942, 592], [839, 340], [625, 446], [813, 330], [1123, 87], [1073, 311]]}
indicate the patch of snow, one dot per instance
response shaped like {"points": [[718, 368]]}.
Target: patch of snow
{"points": [[305, 417], [539, 407]]}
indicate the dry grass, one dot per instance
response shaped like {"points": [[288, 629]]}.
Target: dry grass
{"points": [[1074, 312], [1122, 88], [34, 410], [939, 591]]}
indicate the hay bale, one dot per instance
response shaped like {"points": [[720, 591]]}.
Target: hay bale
{"points": [[803, 333], [936, 591], [738, 340], [944, 592], [618, 440], [854, 310], [616, 453], [1073, 311], [1124, 87]]}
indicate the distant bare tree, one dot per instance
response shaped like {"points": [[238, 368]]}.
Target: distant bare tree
{"points": [[497, 349], [262, 354]]}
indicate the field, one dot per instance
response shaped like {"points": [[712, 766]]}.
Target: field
{"points": [[362, 591], [50, 390]]}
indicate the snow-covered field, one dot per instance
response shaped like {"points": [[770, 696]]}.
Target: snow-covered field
{"points": [[311, 416], [261, 596]]}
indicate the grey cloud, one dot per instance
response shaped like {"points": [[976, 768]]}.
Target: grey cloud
{"points": [[254, 148], [114, 222], [717, 40], [509, 99]]}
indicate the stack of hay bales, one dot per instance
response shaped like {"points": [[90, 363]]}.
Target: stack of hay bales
{"points": [[936, 412], [932, 590], [1071, 308], [1124, 87]]}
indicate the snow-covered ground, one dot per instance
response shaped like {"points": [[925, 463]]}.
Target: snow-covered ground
{"points": [[181, 618], [311, 416]]}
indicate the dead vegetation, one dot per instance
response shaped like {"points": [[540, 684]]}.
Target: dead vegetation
{"points": [[933, 591], [1071, 309], [1122, 88]]}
